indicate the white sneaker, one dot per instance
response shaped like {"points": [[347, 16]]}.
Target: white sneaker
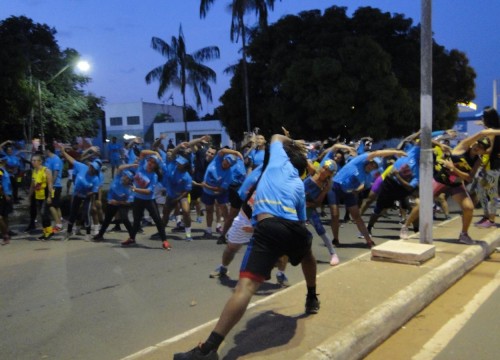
{"points": [[404, 233], [334, 260]]}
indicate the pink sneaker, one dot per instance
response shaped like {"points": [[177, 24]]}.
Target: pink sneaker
{"points": [[482, 220], [334, 260], [486, 224]]}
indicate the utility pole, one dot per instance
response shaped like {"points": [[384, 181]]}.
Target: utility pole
{"points": [[426, 162]]}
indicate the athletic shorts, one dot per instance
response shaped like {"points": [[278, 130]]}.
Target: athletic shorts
{"points": [[5, 207], [221, 198], [236, 234], [234, 198], [336, 197], [196, 192], [391, 191], [438, 188], [56, 199], [273, 238]]}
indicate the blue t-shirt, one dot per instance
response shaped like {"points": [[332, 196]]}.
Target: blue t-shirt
{"points": [[114, 151], [84, 182], [353, 174], [177, 183], [249, 182], [217, 176], [145, 180], [118, 191], [311, 189], [6, 185], [280, 191], [257, 157], [409, 166], [239, 173], [54, 163]]}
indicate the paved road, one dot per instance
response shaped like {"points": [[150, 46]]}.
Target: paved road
{"points": [[79, 300]]}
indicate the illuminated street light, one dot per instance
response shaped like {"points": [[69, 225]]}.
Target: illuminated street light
{"points": [[81, 65]]}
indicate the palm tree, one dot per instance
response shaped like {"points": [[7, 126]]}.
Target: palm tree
{"points": [[238, 10], [182, 69]]}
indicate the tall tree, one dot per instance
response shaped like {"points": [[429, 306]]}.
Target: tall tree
{"points": [[29, 58], [239, 8], [182, 69], [327, 74]]}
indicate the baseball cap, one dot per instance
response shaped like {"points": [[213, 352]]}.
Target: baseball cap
{"points": [[181, 160], [330, 165], [231, 159], [128, 174], [96, 165]]}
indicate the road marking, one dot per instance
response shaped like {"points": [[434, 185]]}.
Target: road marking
{"points": [[443, 337]]}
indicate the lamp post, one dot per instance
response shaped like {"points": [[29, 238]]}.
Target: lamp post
{"points": [[83, 66]]}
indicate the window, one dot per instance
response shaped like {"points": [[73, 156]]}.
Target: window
{"points": [[133, 120], [115, 121]]}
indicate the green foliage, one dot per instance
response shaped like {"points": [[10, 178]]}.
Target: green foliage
{"points": [[30, 58], [323, 75]]}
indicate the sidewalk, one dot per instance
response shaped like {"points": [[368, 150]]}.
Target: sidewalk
{"points": [[362, 303]]}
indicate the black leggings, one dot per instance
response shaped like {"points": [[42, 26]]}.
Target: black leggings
{"points": [[76, 202], [110, 212], [43, 208], [138, 207]]}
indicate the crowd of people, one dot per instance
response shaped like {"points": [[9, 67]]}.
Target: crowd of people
{"points": [[262, 195]]}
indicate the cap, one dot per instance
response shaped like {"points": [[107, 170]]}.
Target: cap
{"points": [[380, 164], [181, 160], [128, 174], [95, 164], [231, 159], [155, 158], [330, 165]]}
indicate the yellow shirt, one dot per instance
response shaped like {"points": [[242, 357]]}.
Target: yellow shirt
{"points": [[39, 179]]}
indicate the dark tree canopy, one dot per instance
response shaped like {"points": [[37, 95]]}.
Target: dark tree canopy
{"points": [[322, 75], [30, 56]]}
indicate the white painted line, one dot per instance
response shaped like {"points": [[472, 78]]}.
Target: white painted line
{"points": [[443, 337]]}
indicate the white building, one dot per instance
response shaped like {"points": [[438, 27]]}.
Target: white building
{"points": [[150, 120]]}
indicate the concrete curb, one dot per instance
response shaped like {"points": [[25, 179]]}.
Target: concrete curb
{"points": [[370, 330]]}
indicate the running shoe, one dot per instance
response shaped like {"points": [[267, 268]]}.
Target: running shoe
{"points": [[404, 232], [464, 238], [207, 234], [220, 271], [487, 224], [166, 245], [482, 220], [334, 260], [128, 242], [196, 354], [221, 240], [282, 280], [312, 304], [98, 238]]}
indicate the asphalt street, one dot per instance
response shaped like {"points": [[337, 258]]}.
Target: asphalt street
{"points": [[81, 300]]}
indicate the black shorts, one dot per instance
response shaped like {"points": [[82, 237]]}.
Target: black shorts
{"points": [[196, 193], [391, 191], [234, 198], [273, 238], [56, 200], [6, 207]]}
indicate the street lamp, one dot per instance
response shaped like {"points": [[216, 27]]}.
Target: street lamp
{"points": [[81, 65]]}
